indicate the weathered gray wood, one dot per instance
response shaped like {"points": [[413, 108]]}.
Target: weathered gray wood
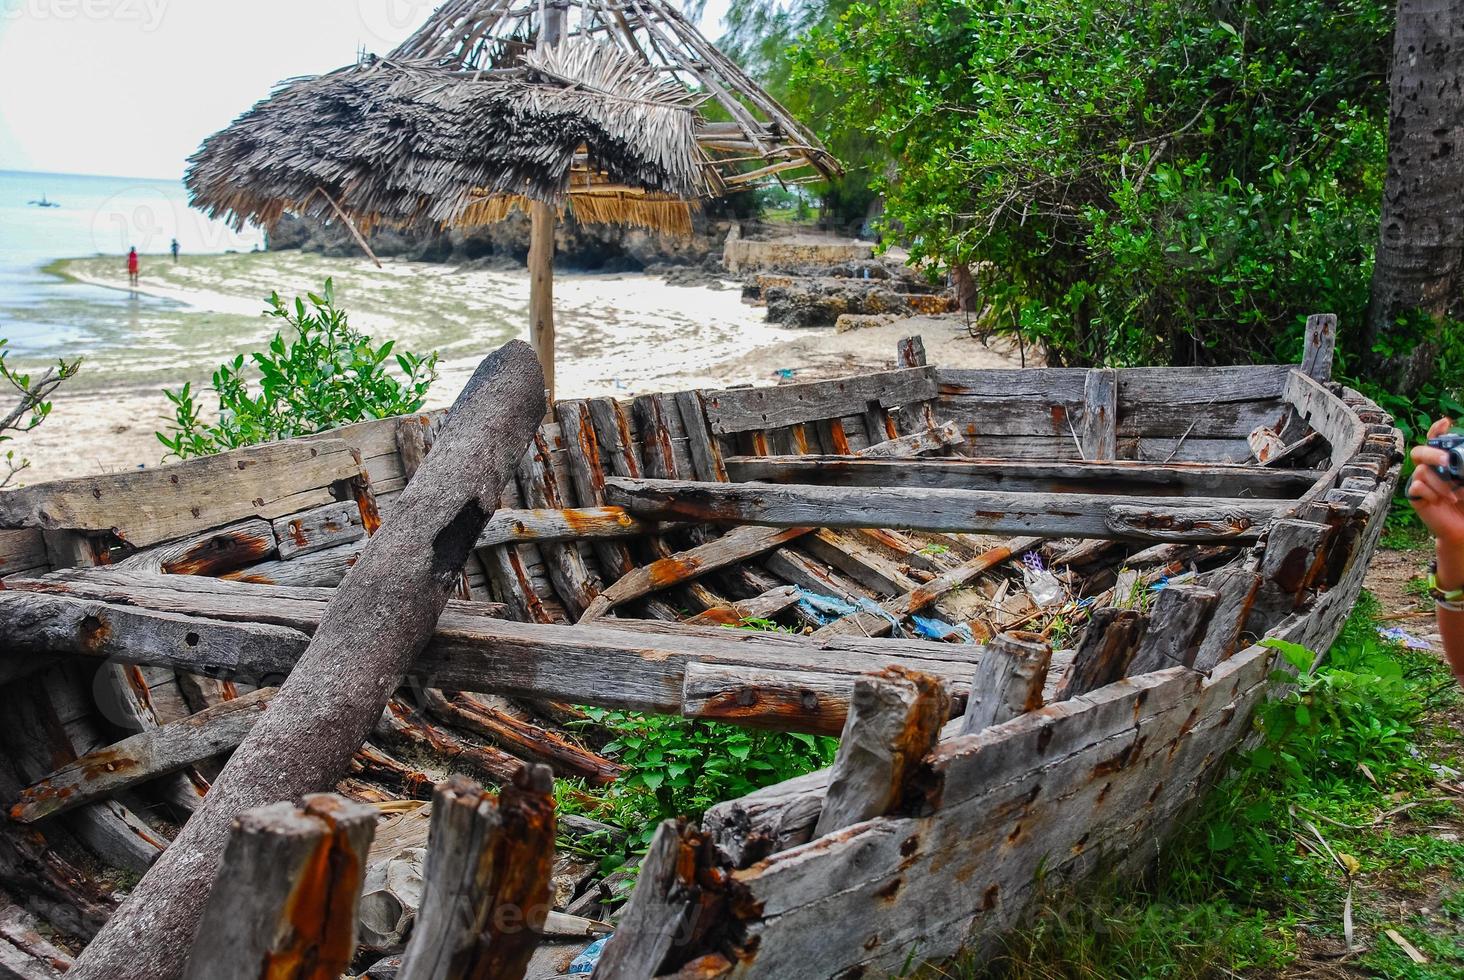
{"points": [[18, 964], [1328, 415], [565, 566], [1200, 385], [743, 409], [21, 932], [318, 529], [894, 719], [520, 526], [1099, 431], [186, 498], [704, 454], [404, 727], [871, 624], [379, 619], [325, 568], [214, 552], [636, 666], [147, 755], [1321, 346], [1109, 644], [490, 721], [23, 552], [911, 352], [1237, 586], [284, 902], [657, 910], [1176, 628], [992, 512], [486, 881], [1295, 556], [1028, 476], [1008, 680], [921, 443]]}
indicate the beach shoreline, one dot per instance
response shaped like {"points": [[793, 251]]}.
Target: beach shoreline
{"points": [[620, 334]]}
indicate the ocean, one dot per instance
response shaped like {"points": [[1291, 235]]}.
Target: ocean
{"points": [[45, 315]]}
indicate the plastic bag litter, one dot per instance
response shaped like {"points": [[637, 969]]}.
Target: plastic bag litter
{"points": [[584, 964]]}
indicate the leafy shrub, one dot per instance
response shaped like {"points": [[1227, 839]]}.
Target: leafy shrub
{"points": [[327, 374], [1168, 182]]}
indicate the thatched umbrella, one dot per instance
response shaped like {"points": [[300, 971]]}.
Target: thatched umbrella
{"points": [[601, 105]]}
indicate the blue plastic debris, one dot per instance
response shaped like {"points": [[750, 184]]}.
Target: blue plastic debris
{"points": [[584, 964]]}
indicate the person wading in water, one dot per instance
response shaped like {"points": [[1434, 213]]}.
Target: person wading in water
{"points": [[132, 266]]}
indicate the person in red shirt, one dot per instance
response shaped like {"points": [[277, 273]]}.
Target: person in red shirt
{"points": [[132, 266]]}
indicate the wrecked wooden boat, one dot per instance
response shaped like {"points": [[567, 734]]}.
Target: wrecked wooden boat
{"points": [[1031, 602]]}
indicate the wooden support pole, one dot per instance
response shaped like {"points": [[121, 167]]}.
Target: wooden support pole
{"points": [[1099, 436], [1321, 346], [284, 902], [380, 618], [486, 880], [894, 719], [541, 291], [1103, 656], [1008, 681], [1176, 628]]}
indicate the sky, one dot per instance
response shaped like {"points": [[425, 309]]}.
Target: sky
{"points": [[129, 88]]}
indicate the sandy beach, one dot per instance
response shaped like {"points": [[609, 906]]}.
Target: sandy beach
{"points": [[618, 335]]}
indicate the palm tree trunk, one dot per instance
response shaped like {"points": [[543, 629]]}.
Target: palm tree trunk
{"points": [[1420, 255]]}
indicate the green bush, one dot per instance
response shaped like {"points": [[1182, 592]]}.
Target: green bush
{"points": [[327, 374], [1169, 182]]}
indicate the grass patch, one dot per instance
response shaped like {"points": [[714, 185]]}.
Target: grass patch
{"points": [[1352, 786]]}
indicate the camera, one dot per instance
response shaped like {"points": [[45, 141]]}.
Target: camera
{"points": [[1453, 444]]}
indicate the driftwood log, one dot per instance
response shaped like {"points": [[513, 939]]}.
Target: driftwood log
{"points": [[381, 617]]}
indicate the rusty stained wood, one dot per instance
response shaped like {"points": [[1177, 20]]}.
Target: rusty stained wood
{"points": [[894, 719], [318, 529], [144, 507], [525, 740], [1199, 520], [212, 553], [1103, 655], [1008, 680], [168, 748], [486, 888], [565, 566], [764, 606], [284, 902], [661, 913]]}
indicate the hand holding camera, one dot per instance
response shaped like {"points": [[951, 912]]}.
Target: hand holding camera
{"points": [[1437, 494]]}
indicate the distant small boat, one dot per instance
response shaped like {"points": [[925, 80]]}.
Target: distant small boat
{"points": [[43, 203]]}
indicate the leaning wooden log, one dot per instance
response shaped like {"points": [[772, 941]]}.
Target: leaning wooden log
{"points": [[1176, 628], [284, 902], [405, 727], [142, 757], [990, 512], [1008, 681], [378, 621], [486, 892], [894, 719], [655, 918]]}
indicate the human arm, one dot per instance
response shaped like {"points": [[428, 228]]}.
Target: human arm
{"points": [[1439, 503]]}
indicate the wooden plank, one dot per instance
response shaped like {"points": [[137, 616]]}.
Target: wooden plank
{"points": [[485, 893], [565, 566], [1028, 476], [521, 526], [1237, 586], [284, 902], [1294, 558], [990, 512], [764, 606], [318, 529], [320, 569], [22, 551], [744, 409], [636, 669], [704, 453], [1327, 414], [507, 731], [1176, 628], [911, 352], [1320, 346], [658, 908], [1099, 428], [144, 507], [1008, 680], [1103, 655], [894, 719], [168, 748], [864, 565], [212, 553], [1200, 385]]}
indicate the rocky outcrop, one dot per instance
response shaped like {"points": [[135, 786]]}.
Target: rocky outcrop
{"points": [[822, 295], [611, 248]]}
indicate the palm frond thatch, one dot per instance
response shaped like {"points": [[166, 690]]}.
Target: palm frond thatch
{"points": [[402, 142]]}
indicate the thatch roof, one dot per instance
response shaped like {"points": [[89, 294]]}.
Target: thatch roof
{"points": [[759, 140], [404, 141]]}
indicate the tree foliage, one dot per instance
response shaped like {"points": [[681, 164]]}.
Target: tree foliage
{"points": [[1168, 181], [32, 406]]}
